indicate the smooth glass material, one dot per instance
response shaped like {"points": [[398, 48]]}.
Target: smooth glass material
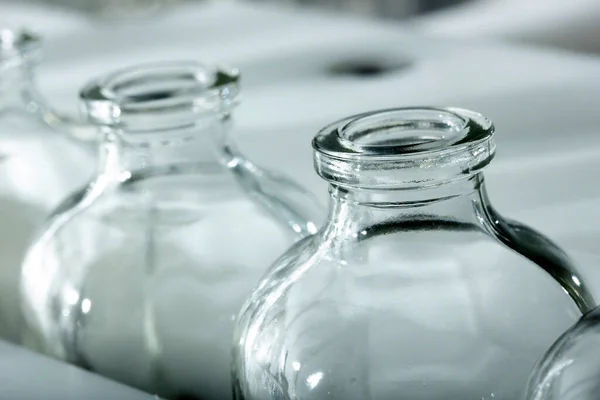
{"points": [[415, 287], [140, 276], [38, 167], [570, 370]]}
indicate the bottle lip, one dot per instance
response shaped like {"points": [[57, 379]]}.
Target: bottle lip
{"points": [[403, 148], [159, 96], [19, 47]]}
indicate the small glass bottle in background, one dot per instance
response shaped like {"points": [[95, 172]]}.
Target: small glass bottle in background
{"points": [[570, 370], [139, 277], [415, 287], [38, 166]]}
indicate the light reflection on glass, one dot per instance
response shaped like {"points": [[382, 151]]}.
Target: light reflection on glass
{"points": [[86, 305], [313, 379], [71, 296]]}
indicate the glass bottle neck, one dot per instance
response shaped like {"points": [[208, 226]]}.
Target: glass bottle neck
{"points": [[18, 89], [358, 210], [19, 94], [186, 147]]}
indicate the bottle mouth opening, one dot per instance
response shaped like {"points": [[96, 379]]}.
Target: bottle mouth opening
{"points": [[404, 147], [403, 131], [157, 96], [18, 47]]}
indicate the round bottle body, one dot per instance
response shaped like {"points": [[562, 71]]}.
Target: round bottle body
{"points": [[151, 273], [570, 368], [427, 310]]}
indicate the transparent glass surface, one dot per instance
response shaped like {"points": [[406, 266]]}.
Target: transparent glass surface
{"points": [[139, 277], [570, 370], [38, 167], [415, 287]]}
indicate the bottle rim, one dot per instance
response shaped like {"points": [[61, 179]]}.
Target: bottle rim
{"points": [[19, 47], [403, 148], [160, 95]]}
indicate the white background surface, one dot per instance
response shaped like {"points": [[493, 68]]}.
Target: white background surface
{"points": [[571, 24], [24, 376], [545, 106]]}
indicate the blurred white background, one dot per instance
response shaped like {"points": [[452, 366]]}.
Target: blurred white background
{"points": [[573, 25]]}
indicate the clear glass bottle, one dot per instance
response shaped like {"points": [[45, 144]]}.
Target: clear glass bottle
{"points": [[140, 276], [570, 369], [415, 287], [38, 166]]}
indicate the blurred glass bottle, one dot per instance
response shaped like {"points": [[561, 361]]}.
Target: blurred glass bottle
{"points": [[38, 166], [415, 287], [570, 369], [139, 277]]}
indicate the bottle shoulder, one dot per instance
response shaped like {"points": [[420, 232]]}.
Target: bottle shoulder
{"points": [[399, 274], [106, 218]]}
